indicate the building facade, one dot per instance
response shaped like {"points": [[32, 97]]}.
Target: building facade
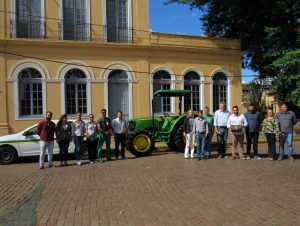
{"points": [[84, 55]]}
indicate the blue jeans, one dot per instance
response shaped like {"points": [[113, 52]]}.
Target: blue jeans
{"points": [[200, 137], [208, 144], [43, 146], [222, 140], [288, 139], [78, 140]]}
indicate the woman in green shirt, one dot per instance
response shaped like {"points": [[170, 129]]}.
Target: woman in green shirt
{"points": [[270, 128]]}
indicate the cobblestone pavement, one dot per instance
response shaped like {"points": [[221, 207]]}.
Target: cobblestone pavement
{"points": [[163, 189]]}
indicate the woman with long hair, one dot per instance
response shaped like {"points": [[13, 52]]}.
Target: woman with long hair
{"points": [[63, 136]]}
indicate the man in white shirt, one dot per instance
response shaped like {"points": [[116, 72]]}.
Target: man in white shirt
{"points": [[236, 124], [119, 128], [220, 124]]}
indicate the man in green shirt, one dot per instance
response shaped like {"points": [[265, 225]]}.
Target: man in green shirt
{"points": [[104, 128], [210, 119]]}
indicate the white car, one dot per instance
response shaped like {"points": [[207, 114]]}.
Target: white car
{"points": [[26, 143]]}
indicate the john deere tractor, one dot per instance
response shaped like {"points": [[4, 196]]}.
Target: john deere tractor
{"points": [[145, 131]]}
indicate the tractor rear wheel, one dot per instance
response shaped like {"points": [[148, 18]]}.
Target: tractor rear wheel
{"points": [[140, 143], [172, 144], [179, 139]]}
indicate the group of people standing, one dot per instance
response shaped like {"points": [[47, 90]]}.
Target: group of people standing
{"points": [[95, 133], [202, 128]]}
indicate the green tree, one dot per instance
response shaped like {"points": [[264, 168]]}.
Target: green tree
{"points": [[269, 34], [286, 72]]}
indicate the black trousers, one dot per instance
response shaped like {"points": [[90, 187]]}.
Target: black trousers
{"points": [[271, 139], [120, 138], [63, 149], [252, 137], [92, 149]]}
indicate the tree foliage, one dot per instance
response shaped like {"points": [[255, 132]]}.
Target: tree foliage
{"points": [[286, 72], [269, 34]]}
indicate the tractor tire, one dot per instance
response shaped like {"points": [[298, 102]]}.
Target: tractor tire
{"points": [[172, 144], [140, 144], [8, 155], [179, 140], [84, 151]]}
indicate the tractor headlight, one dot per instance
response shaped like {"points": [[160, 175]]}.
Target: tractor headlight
{"points": [[131, 126]]}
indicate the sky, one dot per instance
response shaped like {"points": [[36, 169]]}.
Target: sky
{"points": [[180, 19]]}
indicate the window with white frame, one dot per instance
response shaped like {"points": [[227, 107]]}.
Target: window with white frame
{"points": [[117, 21], [220, 85], [75, 92], [192, 82], [75, 25], [161, 81], [30, 92], [28, 21]]}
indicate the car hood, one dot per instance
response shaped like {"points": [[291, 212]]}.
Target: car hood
{"points": [[11, 137]]}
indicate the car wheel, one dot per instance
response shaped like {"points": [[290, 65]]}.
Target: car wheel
{"points": [[140, 144], [7, 155], [84, 152]]}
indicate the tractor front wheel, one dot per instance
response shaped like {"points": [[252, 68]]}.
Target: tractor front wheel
{"points": [[140, 144]]}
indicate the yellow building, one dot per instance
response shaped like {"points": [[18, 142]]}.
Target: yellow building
{"points": [[84, 55]]}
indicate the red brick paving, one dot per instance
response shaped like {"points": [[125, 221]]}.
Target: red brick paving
{"points": [[164, 189]]}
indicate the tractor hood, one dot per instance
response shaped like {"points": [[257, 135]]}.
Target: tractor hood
{"points": [[143, 123]]}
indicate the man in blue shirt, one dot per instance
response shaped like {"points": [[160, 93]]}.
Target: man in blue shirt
{"points": [[254, 119], [220, 124]]}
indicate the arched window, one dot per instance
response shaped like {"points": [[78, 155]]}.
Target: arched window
{"points": [[161, 81], [75, 92], [192, 82], [30, 92], [220, 84], [118, 93]]}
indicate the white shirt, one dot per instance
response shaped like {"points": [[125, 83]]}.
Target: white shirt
{"points": [[237, 120], [221, 118], [119, 126]]}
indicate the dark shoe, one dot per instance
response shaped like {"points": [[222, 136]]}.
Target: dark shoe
{"points": [[51, 166], [233, 157], [291, 158], [66, 163], [61, 164], [198, 158], [41, 167]]}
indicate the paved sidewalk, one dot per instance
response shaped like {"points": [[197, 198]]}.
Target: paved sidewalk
{"points": [[163, 189]]}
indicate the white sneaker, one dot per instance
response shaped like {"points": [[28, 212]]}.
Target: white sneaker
{"points": [[78, 163], [248, 157], [186, 157], [257, 157]]}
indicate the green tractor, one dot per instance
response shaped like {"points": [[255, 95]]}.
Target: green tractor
{"points": [[145, 131]]}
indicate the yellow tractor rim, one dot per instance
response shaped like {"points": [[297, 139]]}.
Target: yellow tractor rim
{"points": [[142, 143]]}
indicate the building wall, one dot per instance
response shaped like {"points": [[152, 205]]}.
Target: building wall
{"points": [[148, 52]]}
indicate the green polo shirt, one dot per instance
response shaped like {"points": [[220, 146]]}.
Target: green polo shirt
{"points": [[104, 123], [210, 119]]}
